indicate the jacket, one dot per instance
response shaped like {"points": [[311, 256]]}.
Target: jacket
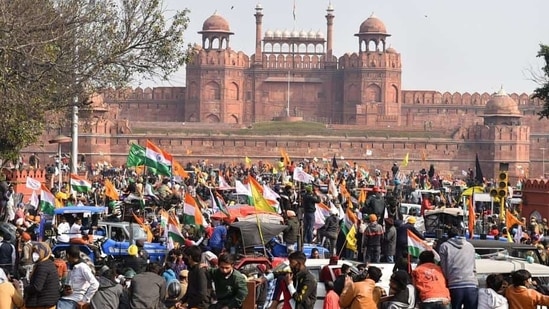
{"points": [[108, 295], [457, 260], [359, 295], [388, 245], [230, 291], [402, 235], [197, 289], [291, 231], [375, 205], [147, 291], [331, 226], [43, 288], [405, 299], [136, 263], [372, 235], [430, 282], [304, 289], [520, 297], [309, 202], [490, 299]]}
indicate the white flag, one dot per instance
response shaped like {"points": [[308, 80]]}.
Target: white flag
{"points": [[301, 176], [242, 189], [33, 184], [464, 173], [34, 199]]}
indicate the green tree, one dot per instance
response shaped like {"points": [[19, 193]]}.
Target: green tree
{"points": [[542, 92], [54, 54]]}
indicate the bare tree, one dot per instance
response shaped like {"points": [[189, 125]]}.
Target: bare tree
{"points": [[56, 53], [542, 92]]}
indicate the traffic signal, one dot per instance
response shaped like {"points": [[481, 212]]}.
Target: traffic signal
{"points": [[503, 182], [494, 192]]}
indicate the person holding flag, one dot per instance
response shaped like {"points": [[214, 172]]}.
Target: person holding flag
{"points": [[310, 199]]}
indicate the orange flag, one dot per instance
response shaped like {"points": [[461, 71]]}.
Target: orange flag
{"points": [[472, 218], [285, 156], [145, 227], [178, 170], [510, 220], [110, 190]]}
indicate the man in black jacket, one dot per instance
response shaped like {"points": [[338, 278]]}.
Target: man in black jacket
{"points": [[329, 231], [309, 208], [197, 289], [301, 282], [292, 230]]}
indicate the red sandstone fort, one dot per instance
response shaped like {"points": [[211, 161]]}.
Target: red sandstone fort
{"points": [[227, 91]]}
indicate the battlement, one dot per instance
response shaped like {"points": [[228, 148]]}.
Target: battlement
{"points": [[19, 180], [540, 185], [370, 60], [227, 57], [428, 97], [139, 94]]}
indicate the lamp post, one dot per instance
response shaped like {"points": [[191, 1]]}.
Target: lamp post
{"points": [[543, 162], [60, 139]]}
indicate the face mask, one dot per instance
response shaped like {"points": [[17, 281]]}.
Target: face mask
{"points": [[35, 257]]}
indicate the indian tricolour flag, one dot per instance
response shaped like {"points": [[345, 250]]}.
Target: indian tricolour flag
{"points": [[417, 245], [80, 184], [158, 159], [348, 227], [191, 212], [174, 232], [47, 201]]}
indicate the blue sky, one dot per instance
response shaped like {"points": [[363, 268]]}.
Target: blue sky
{"points": [[466, 45]]}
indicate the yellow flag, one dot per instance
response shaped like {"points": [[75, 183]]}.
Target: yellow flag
{"points": [[260, 203], [405, 161], [362, 196]]}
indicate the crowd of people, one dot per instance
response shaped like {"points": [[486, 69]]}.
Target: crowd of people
{"points": [[200, 272]]}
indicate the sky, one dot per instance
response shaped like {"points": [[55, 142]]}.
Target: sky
{"points": [[465, 46]]}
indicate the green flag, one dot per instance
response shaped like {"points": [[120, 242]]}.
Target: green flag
{"points": [[136, 156]]}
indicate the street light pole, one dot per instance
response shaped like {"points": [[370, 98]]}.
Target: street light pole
{"points": [[74, 145]]}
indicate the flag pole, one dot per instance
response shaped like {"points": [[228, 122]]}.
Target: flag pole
{"points": [[261, 233], [343, 247]]}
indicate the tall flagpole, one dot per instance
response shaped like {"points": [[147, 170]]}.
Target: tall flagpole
{"points": [[288, 104]]}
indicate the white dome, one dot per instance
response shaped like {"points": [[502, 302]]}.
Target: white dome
{"points": [[312, 34], [269, 34], [278, 34], [295, 34], [303, 34], [286, 34], [319, 35]]}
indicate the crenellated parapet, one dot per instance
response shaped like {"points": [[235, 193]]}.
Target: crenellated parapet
{"points": [[540, 185], [428, 97], [227, 57], [19, 179], [122, 95], [386, 60]]}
